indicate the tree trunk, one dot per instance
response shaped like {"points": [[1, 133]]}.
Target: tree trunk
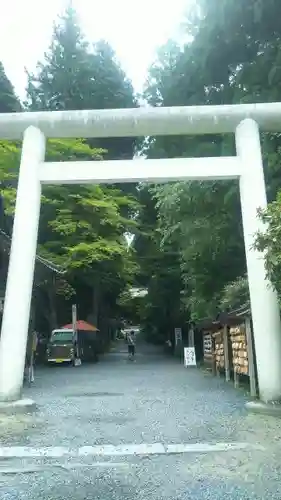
{"points": [[96, 302]]}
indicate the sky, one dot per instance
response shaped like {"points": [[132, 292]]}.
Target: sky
{"points": [[134, 28]]}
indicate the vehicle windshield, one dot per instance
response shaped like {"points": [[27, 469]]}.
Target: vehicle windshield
{"points": [[62, 337]]}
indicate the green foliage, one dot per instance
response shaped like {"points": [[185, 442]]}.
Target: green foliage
{"points": [[188, 250], [159, 272], [9, 103], [82, 227], [208, 237], [131, 308], [75, 75], [235, 294], [268, 241], [9, 163], [232, 56]]}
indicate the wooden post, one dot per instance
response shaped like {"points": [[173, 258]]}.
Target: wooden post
{"points": [[77, 359], [214, 365], [216, 360], [191, 337], [236, 379], [252, 375], [226, 353]]}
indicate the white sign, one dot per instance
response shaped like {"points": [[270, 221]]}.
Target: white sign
{"points": [[189, 356], [178, 336]]}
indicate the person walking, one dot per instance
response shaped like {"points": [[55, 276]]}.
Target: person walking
{"points": [[30, 358], [131, 344]]}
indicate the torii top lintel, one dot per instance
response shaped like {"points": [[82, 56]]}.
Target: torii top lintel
{"points": [[143, 121]]}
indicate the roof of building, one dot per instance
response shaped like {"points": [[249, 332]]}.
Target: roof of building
{"points": [[82, 326], [231, 317], [224, 317]]}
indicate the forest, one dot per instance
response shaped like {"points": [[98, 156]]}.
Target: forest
{"points": [[187, 248]]}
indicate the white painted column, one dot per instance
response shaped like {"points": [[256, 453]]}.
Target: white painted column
{"points": [[21, 267], [264, 303]]}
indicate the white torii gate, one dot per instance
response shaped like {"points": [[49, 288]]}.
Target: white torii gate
{"points": [[243, 120]]}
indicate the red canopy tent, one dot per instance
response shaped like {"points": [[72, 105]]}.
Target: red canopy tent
{"points": [[82, 326]]}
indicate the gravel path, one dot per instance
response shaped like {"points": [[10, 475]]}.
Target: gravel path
{"points": [[119, 403]]}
